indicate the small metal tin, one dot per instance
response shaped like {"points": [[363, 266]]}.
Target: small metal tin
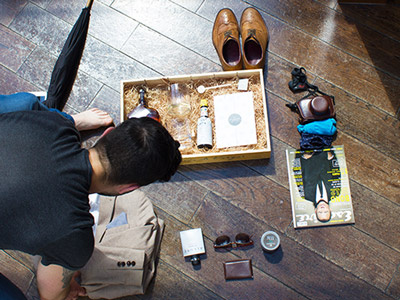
{"points": [[270, 241]]}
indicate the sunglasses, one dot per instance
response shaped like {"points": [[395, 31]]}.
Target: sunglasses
{"points": [[241, 240]]}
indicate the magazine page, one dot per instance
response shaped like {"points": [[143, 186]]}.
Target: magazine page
{"points": [[319, 187]]}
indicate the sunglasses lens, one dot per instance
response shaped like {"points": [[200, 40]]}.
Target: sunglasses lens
{"points": [[222, 241], [242, 238]]}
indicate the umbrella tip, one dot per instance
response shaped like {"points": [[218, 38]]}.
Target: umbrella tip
{"points": [[89, 4]]}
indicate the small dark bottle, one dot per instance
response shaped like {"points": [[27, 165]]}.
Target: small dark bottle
{"points": [[142, 110]]}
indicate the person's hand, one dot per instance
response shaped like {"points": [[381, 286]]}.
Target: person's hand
{"points": [[75, 288]]}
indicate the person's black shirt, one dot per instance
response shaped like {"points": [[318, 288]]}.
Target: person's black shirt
{"points": [[45, 176]]}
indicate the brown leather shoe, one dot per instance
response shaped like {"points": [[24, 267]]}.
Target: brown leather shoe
{"points": [[225, 38], [254, 39]]}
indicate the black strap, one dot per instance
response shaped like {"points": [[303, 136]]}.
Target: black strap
{"points": [[312, 90], [292, 106]]}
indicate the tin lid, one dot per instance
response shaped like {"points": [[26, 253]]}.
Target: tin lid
{"points": [[270, 241]]}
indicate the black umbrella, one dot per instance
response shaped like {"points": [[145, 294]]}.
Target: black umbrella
{"points": [[67, 64]]}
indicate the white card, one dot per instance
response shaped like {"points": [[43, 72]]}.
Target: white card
{"points": [[235, 123], [243, 84]]}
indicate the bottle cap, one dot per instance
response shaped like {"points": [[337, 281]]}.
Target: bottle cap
{"points": [[203, 102], [195, 259], [270, 241]]}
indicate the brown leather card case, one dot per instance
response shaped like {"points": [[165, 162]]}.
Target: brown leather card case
{"points": [[238, 269]]}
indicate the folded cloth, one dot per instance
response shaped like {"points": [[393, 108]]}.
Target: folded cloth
{"points": [[315, 141], [324, 127]]}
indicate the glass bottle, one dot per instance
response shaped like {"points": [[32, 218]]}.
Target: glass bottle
{"points": [[142, 110], [179, 106], [179, 111], [204, 127]]}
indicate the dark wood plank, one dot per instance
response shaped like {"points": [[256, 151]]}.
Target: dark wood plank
{"points": [[106, 24], [339, 68], [352, 250], [245, 189], [99, 60], [38, 68], [12, 83], [169, 283], [140, 44], [42, 28], [394, 287], [192, 5], [110, 66], [338, 30], [275, 167], [217, 217], [174, 22], [371, 168], [209, 9], [42, 3], [107, 99], [372, 217], [371, 126], [278, 75], [14, 49], [329, 3], [382, 18], [180, 197], [9, 9]]}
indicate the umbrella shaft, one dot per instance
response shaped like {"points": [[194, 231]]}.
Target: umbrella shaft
{"points": [[89, 3]]}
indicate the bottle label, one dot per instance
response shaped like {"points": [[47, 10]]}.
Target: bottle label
{"points": [[204, 131]]}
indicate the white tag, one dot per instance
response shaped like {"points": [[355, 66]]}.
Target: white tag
{"points": [[192, 242], [243, 84]]}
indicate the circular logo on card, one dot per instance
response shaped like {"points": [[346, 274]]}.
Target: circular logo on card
{"points": [[234, 119]]}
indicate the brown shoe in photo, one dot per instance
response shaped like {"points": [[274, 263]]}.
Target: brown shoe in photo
{"points": [[254, 39], [225, 38]]}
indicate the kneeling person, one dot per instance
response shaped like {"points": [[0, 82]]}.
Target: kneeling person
{"points": [[46, 179]]}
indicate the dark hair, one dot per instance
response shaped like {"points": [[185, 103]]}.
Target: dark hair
{"points": [[139, 150]]}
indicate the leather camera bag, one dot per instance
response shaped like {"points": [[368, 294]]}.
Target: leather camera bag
{"points": [[316, 106]]}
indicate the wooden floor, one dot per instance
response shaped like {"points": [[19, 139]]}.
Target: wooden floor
{"points": [[352, 52]]}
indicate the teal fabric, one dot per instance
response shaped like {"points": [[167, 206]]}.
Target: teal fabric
{"points": [[324, 127]]}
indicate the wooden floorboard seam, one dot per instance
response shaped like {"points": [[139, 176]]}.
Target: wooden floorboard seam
{"points": [[333, 45], [187, 276], [393, 277], [300, 243]]}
